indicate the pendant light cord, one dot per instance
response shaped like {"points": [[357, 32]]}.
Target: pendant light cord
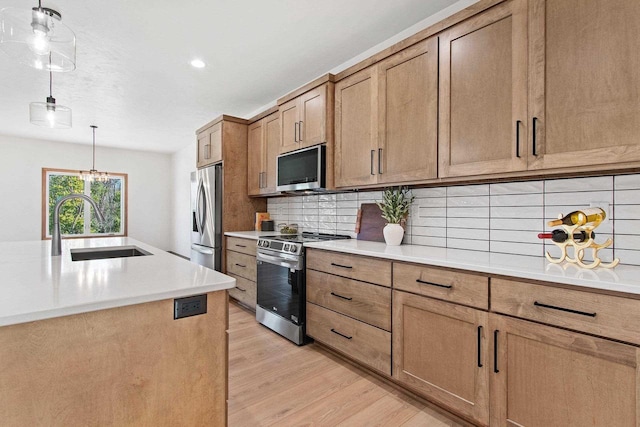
{"points": [[94, 147], [50, 78]]}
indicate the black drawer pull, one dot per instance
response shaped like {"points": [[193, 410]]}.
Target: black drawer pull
{"points": [[342, 335], [434, 284], [240, 265], [495, 351], [241, 246], [568, 310], [479, 346], [341, 266], [240, 289], [340, 296]]}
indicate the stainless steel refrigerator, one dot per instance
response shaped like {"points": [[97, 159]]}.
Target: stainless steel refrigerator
{"points": [[206, 217]]}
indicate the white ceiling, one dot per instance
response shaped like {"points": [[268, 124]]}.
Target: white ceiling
{"points": [[133, 77]]}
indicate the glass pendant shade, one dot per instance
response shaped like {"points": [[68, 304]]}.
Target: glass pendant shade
{"points": [[92, 174], [38, 38], [49, 114]]}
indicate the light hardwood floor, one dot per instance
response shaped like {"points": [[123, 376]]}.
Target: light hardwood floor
{"points": [[274, 382]]}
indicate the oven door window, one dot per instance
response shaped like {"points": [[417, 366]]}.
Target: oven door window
{"points": [[281, 291]]}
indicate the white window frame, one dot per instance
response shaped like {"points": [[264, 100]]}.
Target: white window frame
{"points": [[46, 232]]}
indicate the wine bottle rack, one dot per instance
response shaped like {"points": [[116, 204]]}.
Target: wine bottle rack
{"points": [[579, 248]]}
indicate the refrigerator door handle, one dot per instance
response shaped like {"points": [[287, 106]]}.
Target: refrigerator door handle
{"points": [[202, 215], [202, 251]]}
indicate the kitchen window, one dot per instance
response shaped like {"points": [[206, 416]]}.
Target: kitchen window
{"points": [[76, 216]]}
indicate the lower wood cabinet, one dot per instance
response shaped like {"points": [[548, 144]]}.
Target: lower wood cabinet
{"points": [[545, 376], [245, 291], [241, 265], [367, 344], [441, 350]]}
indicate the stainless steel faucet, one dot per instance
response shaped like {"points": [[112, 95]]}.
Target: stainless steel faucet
{"points": [[56, 239]]}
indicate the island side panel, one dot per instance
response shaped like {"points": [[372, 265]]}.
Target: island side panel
{"points": [[125, 366]]}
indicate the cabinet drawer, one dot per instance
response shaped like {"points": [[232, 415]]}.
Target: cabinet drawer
{"points": [[462, 288], [246, 246], [242, 265], [604, 315], [362, 301], [352, 266], [245, 291], [364, 343]]}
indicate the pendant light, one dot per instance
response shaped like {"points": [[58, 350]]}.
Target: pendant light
{"points": [[93, 174], [48, 113], [31, 35]]}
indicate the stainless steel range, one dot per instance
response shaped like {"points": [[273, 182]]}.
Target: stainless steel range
{"points": [[281, 283]]}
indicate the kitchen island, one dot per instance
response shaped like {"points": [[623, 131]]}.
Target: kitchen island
{"points": [[95, 342]]}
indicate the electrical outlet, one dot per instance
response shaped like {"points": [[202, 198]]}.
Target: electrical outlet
{"points": [[605, 207], [189, 306]]}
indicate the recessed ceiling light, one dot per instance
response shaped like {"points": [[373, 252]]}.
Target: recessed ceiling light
{"points": [[198, 63]]}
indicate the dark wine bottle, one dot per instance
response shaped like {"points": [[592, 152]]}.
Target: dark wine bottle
{"points": [[560, 236]]}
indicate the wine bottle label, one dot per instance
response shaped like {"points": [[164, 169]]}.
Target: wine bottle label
{"points": [[593, 211]]}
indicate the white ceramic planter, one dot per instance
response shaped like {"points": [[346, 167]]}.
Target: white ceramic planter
{"points": [[393, 234]]}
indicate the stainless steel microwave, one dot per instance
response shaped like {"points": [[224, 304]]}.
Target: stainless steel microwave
{"points": [[302, 169]]}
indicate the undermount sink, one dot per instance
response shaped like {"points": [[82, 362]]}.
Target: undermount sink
{"points": [[86, 254]]}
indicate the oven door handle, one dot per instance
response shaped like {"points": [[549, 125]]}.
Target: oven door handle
{"points": [[270, 259]]}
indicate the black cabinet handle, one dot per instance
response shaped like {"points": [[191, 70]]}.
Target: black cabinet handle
{"points": [[240, 265], [342, 335], [300, 130], [568, 310], [479, 346], [340, 296], [533, 151], [495, 351], [518, 122], [372, 153], [434, 284], [380, 161], [241, 246], [295, 132], [341, 266], [240, 289]]}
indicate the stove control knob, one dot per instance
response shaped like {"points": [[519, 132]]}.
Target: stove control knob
{"points": [[293, 249], [285, 247]]}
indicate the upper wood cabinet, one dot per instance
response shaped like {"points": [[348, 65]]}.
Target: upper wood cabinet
{"points": [[263, 145], [483, 93], [209, 145], [386, 120], [305, 119], [585, 85], [356, 129]]}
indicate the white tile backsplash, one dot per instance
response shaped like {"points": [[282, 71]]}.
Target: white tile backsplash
{"points": [[502, 218]]}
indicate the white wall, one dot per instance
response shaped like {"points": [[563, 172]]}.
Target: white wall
{"points": [[21, 163], [183, 162]]}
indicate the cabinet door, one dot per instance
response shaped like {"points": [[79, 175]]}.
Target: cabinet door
{"points": [[204, 149], [289, 126], [585, 85], [255, 169], [441, 350], [271, 126], [545, 376], [483, 93], [313, 117], [408, 122], [215, 140], [356, 136]]}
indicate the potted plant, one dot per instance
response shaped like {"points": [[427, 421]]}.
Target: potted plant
{"points": [[395, 206]]}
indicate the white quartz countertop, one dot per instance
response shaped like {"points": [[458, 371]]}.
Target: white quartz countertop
{"points": [[36, 286], [622, 278], [255, 235]]}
